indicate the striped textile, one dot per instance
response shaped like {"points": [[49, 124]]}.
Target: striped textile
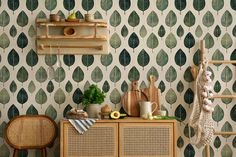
{"points": [[82, 125]]}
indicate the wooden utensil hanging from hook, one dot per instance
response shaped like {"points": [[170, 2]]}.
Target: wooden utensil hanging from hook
{"points": [[51, 71], [58, 57]]}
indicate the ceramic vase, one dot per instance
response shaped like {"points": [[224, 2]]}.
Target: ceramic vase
{"points": [[93, 110]]}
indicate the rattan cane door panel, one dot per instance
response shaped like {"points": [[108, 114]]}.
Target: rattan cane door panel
{"points": [[146, 140], [101, 140]]}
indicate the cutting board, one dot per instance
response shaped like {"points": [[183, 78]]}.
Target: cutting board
{"points": [[131, 98], [153, 93]]}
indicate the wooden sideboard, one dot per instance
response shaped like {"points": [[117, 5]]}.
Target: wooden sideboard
{"points": [[129, 137]]}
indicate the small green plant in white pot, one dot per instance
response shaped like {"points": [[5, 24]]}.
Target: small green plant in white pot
{"points": [[92, 98]]}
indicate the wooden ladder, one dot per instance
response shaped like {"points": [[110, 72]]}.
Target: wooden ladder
{"points": [[203, 59]]}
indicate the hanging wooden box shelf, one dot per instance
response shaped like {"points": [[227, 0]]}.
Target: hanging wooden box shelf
{"points": [[77, 37]]}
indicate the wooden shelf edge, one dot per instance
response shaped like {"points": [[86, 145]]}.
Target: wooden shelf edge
{"points": [[42, 46], [74, 53], [131, 120], [43, 37], [95, 23]]}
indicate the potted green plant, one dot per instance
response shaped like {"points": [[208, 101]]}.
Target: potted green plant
{"points": [[92, 98]]}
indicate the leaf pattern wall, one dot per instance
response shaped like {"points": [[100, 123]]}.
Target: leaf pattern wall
{"points": [[147, 37]]}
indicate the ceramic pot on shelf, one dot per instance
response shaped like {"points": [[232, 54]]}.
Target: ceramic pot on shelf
{"points": [[88, 17]]}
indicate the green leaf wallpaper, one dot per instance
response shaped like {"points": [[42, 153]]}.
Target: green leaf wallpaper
{"points": [[146, 37]]}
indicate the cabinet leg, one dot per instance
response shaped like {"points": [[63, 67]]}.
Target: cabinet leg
{"points": [[15, 153], [44, 151]]}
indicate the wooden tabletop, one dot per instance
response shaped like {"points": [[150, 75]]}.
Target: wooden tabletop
{"points": [[132, 120]]}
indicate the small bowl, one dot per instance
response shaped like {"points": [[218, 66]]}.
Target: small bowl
{"points": [[69, 31], [162, 112], [55, 18]]}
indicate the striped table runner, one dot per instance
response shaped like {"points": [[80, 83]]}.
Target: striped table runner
{"points": [[82, 125]]}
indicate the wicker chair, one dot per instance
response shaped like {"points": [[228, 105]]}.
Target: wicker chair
{"points": [[31, 132]]}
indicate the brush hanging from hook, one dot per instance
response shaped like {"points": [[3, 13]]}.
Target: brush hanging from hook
{"points": [[58, 57], [51, 71]]}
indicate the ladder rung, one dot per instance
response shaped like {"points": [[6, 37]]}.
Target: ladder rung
{"points": [[223, 96], [225, 133], [222, 62]]}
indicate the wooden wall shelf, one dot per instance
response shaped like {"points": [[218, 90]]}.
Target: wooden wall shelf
{"points": [[79, 37]]}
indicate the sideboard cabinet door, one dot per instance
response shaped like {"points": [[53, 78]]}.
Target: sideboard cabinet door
{"points": [[100, 140], [146, 140]]}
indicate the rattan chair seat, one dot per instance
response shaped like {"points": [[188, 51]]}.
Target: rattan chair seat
{"points": [[31, 132]]}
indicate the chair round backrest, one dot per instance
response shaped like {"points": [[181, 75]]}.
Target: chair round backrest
{"points": [[31, 132]]}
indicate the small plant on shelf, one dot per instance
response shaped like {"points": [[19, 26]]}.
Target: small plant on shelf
{"points": [[92, 98], [93, 95]]}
